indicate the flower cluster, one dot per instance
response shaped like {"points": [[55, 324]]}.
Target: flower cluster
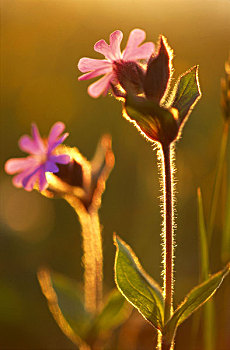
{"points": [[31, 171]]}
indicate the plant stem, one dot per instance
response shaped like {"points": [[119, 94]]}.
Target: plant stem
{"points": [[93, 260], [93, 254], [168, 231], [166, 346]]}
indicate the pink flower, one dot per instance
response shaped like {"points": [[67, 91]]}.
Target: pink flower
{"points": [[112, 52], [42, 158]]}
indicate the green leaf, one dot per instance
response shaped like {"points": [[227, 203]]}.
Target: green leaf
{"points": [[195, 299], [209, 319], [225, 249], [115, 311], [218, 180], [65, 303], [137, 287], [186, 93], [203, 238]]}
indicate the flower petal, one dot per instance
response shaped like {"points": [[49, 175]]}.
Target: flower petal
{"points": [[102, 47], [50, 166], [60, 159], [142, 52], [18, 179], [115, 43], [43, 184], [37, 138], [89, 64], [133, 51], [16, 165], [58, 142], [32, 181], [96, 72], [29, 181], [97, 88], [55, 132], [28, 145]]}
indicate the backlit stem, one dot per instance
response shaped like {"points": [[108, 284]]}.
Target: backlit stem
{"points": [[93, 255], [93, 260], [168, 232]]}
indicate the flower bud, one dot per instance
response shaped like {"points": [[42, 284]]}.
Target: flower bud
{"points": [[130, 76], [82, 182], [159, 71], [155, 122]]}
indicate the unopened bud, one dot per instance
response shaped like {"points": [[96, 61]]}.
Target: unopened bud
{"points": [[159, 71], [130, 76], [156, 122]]}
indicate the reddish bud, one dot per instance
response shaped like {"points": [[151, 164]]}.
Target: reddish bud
{"points": [[130, 76], [159, 71]]}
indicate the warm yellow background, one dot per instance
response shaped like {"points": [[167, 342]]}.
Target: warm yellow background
{"points": [[42, 41]]}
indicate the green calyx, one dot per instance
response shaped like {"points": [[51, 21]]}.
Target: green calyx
{"points": [[156, 122]]}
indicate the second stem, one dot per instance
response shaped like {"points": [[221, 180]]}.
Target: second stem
{"points": [[168, 231]]}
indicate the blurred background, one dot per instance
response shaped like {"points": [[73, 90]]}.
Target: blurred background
{"points": [[42, 41]]}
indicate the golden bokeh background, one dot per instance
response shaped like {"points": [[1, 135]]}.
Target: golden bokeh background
{"points": [[42, 41]]}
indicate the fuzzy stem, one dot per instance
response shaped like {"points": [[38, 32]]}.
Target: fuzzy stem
{"points": [[93, 260], [168, 232], [93, 255]]}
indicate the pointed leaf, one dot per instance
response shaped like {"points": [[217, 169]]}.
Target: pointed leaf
{"points": [[186, 93], [138, 288], [115, 311], [209, 329], [65, 303], [158, 72], [218, 180], [195, 299], [225, 249], [203, 238]]}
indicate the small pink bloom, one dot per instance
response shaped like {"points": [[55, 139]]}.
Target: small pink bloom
{"points": [[112, 52], [41, 159]]}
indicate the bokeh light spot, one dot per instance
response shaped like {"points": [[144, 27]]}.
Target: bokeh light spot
{"points": [[27, 215]]}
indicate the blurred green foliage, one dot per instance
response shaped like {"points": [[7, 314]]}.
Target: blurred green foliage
{"points": [[42, 42]]}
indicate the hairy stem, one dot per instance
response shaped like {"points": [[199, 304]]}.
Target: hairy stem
{"points": [[168, 232], [93, 260], [93, 255]]}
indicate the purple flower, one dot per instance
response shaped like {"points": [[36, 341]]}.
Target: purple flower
{"points": [[42, 158], [112, 52]]}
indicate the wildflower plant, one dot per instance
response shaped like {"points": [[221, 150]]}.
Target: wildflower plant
{"points": [[86, 319], [140, 77], [159, 112]]}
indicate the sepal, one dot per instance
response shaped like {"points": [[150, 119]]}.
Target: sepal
{"points": [[154, 121], [159, 71], [186, 93]]}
